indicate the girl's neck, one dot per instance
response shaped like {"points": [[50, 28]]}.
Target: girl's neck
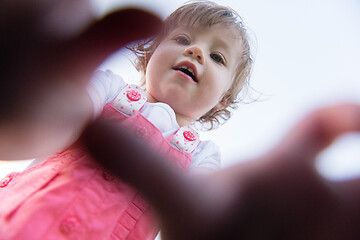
{"points": [[180, 119], [151, 98], [183, 120]]}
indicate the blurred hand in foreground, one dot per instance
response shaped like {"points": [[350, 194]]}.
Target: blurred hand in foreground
{"points": [[278, 196], [49, 50]]}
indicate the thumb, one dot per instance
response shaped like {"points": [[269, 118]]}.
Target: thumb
{"points": [[85, 52]]}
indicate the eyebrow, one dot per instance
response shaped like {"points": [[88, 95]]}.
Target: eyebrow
{"points": [[223, 44]]}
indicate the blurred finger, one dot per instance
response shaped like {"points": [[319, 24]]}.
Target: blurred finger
{"points": [[106, 36], [349, 192], [118, 150], [318, 130]]}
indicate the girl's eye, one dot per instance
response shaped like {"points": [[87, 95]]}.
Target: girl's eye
{"points": [[183, 40], [217, 57]]}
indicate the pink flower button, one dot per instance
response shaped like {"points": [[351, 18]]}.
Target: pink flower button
{"points": [[141, 132], [130, 100], [133, 95], [108, 176], [69, 225], [189, 136], [186, 139], [5, 181]]}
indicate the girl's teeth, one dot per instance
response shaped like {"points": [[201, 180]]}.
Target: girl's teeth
{"points": [[189, 69]]}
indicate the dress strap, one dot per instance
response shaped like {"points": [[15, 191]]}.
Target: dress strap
{"points": [[186, 139], [130, 100]]}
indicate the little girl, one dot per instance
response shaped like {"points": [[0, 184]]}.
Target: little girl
{"points": [[192, 71]]}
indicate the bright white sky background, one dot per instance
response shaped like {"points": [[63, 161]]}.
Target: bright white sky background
{"points": [[307, 55]]}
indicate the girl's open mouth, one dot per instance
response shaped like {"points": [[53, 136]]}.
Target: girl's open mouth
{"points": [[187, 72], [187, 68]]}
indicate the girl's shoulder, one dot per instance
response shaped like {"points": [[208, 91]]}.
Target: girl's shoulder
{"points": [[206, 155], [103, 87], [108, 79]]}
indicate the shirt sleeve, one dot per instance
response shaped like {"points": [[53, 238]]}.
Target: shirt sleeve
{"points": [[206, 155], [103, 87]]}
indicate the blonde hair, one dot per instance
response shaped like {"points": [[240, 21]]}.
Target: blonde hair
{"points": [[204, 14]]}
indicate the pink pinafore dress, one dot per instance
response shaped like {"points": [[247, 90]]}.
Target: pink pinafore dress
{"points": [[69, 196]]}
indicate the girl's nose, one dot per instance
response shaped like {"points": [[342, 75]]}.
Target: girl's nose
{"points": [[195, 52]]}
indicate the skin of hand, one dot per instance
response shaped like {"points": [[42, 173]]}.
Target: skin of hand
{"points": [[49, 50], [278, 196]]}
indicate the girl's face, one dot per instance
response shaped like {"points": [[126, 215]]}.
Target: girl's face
{"points": [[192, 69]]}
